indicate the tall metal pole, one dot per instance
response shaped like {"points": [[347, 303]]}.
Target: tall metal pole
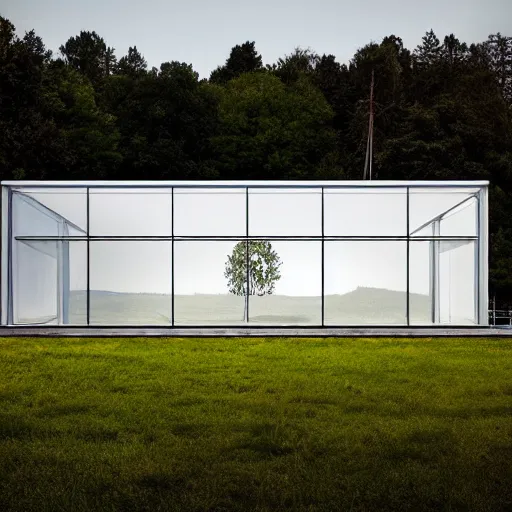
{"points": [[371, 126], [247, 258], [369, 144]]}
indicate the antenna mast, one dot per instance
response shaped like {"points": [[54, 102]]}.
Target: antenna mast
{"points": [[369, 144]]}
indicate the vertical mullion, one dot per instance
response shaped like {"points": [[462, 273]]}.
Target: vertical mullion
{"points": [[476, 268], [247, 253], [6, 262], [88, 263], [2, 304], [10, 284], [323, 261], [172, 257], [408, 310], [483, 257]]}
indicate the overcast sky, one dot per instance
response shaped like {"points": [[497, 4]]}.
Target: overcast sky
{"points": [[202, 32]]}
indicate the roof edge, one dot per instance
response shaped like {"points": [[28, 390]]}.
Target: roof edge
{"points": [[242, 183]]}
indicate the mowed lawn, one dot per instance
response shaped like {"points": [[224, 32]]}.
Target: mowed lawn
{"points": [[255, 424]]}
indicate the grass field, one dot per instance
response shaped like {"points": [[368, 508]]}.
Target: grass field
{"points": [[255, 424]]}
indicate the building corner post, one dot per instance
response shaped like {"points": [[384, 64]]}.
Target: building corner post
{"points": [[483, 256]]}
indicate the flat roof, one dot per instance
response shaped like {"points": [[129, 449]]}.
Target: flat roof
{"points": [[242, 183]]}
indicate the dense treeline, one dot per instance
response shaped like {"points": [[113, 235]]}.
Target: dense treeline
{"points": [[443, 111]]}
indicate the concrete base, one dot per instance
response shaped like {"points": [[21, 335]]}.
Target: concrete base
{"points": [[293, 332]]}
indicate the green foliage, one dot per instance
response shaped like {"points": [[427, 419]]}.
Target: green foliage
{"points": [[499, 50], [29, 140], [263, 273], [166, 118], [89, 54], [429, 51], [243, 59], [302, 62], [133, 64], [270, 130], [90, 135]]}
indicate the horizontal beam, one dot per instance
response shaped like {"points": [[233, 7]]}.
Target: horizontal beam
{"points": [[243, 238], [251, 332], [252, 184]]}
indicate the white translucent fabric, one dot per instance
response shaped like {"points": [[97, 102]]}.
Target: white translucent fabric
{"points": [[31, 219], [49, 282], [43, 212], [35, 283]]}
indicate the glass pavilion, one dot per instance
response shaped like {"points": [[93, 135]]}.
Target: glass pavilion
{"points": [[140, 253]]}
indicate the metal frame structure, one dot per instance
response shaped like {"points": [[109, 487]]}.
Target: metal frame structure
{"points": [[435, 239]]}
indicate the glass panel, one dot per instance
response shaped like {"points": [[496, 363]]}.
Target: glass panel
{"points": [[131, 282], [296, 284], [365, 282], [49, 282], [130, 212], [201, 288], [49, 212], [456, 209], [35, 283], [78, 282], [461, 221], [365, 212], [285, 212], [443, 282], [457, 282], [209, 212], [420, 282]]}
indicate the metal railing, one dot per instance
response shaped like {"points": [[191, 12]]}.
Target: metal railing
{"points": [[500, 317]]}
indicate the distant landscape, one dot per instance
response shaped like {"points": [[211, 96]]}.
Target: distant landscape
{"points": [[360, 306]]}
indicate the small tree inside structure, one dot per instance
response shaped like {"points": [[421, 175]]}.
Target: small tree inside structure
{"points": [[254, 263]]}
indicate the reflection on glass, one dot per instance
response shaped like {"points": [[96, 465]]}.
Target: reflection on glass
{"points": [[365, 283], [451, 212], [49, 282], [244, 282], [130, 282], [290, 283], [285, 212], [442, 282], [365, 212], [457, 277], [209, 212], [49, 212], [201, 287], [420, 283], [130, 212]]}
